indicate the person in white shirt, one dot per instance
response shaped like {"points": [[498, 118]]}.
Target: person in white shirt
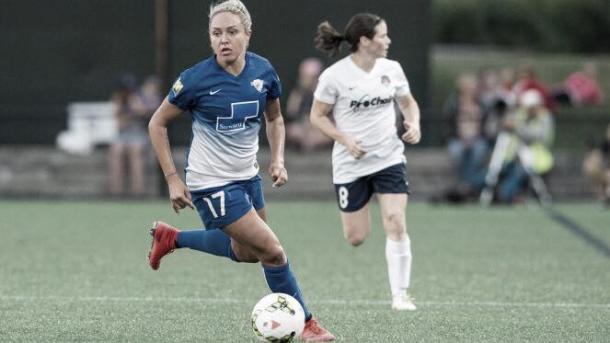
{"points": [[360, 92]]}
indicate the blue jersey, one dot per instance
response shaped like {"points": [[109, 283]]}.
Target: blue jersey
{"points": [[226, 118]]}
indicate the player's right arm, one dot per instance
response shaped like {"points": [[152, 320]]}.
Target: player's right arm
{"points": [[179, 194], [319, 118]]}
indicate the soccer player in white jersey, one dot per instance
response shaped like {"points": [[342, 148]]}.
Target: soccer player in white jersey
{"points": [[227, 95], [368, 156]]}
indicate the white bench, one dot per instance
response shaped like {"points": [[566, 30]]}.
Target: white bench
{"points": [[89, 124]]}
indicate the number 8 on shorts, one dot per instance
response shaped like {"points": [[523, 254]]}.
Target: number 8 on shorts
{"points": [[343, 197]]}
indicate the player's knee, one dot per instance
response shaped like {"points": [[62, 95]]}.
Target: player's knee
{"points": [[394, 221], [248, 259], [243, 254], [273, 255], [355, 239]]}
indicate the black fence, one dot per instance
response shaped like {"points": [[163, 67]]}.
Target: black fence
{"points": [[63, 51]]}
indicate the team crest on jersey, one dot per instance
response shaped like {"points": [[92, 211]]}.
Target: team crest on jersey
{"points": [[258, 85], [385, 80], [177, 87]]}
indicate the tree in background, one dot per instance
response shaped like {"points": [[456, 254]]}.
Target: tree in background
{"points": [[545, 25]]}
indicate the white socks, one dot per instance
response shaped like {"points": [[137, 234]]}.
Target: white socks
{"points": [[398, 256]]}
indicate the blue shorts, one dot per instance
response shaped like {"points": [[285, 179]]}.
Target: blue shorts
{"points": [[354, 195], [221, 206]]}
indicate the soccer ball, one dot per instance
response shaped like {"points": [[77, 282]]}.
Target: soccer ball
{"points": [[278, 318]]}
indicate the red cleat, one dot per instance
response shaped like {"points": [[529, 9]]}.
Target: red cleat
{"points": [[314, 332], [163, 243]]}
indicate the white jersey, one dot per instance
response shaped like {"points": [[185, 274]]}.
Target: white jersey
{"points": [[364, 110]]}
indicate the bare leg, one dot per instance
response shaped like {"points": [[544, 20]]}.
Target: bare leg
{"points": [[356, 225], [115, 168], [393, 207], [251, 232], [136, 168], [398, 248], [241, 251]]}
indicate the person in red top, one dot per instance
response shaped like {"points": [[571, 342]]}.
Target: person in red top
{"points": [[581, 88], [527, 79]]}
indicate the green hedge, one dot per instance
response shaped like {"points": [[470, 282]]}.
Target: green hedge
{"points": [[544, 25]]}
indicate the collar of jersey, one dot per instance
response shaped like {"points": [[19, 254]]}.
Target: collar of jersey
{"points": [[221, 69], [360, 70]]}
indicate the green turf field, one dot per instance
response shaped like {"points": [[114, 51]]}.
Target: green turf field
{"points": [[77, 272]]}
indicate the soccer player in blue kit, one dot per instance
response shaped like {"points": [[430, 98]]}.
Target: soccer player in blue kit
{"points": [[227, 95]]}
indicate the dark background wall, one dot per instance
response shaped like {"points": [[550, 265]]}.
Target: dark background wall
{"points": [[60, 51], [69, 50]]}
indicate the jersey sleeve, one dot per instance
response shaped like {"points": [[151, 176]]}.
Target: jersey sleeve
{"points": [[401, 86], [182, 93], [275, 88], [326, 91]]}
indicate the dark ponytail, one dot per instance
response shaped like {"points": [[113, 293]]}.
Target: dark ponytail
{"points": [[328, 39], [362, 24]]}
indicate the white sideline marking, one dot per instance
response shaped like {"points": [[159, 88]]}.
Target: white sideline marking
{"points": [[319, 302]]}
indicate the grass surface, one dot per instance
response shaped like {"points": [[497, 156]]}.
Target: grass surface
{"points": [[77, 271]]}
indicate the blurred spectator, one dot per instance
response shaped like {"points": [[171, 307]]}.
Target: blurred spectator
{"points": [[580, 88], [463, 125], [148, 97], [133, 110], [596, 167], [527, 79], [497, 98], [507, 83], [299, 132], [488, 86], [533, 131]]}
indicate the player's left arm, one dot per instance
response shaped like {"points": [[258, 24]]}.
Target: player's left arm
{"points": [[411, 117], [276, 135]]}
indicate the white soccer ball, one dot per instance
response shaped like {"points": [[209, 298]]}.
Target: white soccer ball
{"points": [[278, 318]]}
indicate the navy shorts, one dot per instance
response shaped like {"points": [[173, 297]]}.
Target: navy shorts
{"points": [[354, 195], [221, 206]]}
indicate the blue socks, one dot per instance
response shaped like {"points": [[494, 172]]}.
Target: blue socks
{"points": [[213, 241], [216, 242], [281, 280]]}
